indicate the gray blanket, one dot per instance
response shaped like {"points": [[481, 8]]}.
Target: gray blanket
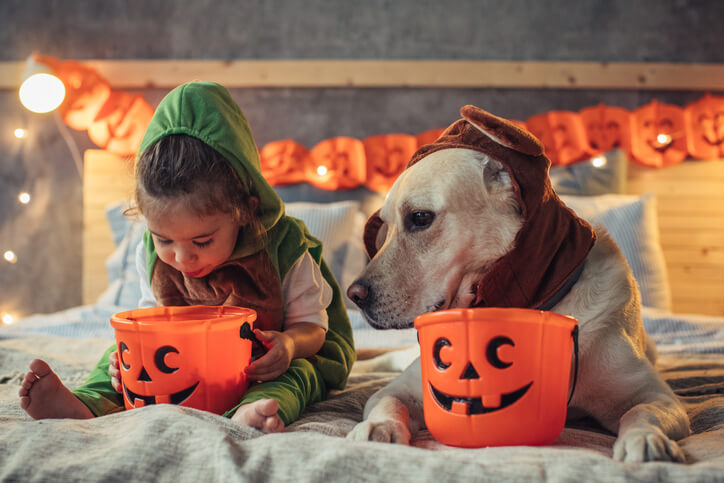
{"points": [[171, 443]]}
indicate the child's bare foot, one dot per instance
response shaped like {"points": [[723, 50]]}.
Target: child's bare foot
{"points": [[42, 395], [261, 414]]}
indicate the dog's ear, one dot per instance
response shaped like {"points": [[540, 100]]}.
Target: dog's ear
{"points": [[495, 175], [502, 131]]}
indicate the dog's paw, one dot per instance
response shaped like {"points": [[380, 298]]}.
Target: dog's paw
{"points": [[387, 431], [646, 444]]}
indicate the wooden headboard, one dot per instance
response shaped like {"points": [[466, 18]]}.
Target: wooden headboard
{"points": [[690, 199]]}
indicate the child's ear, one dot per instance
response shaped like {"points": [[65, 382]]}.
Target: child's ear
{"points": [[253, 204]]}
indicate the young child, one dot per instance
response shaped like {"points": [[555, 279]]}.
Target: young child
{"points": [[217, 235]]}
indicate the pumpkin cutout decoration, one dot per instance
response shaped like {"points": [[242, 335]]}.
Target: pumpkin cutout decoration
{"points": [[563, 135], [283, 162], [705, 127], [387, 156], [190, 356], [495, 376], [607, 128], [337, 164], [658, 135]]}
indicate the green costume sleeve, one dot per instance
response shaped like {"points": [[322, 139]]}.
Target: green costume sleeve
{"points": [[97, 392]]}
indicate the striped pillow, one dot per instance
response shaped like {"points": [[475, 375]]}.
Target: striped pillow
{"points": [[631, 221]]}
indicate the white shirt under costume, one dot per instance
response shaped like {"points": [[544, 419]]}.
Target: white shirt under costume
{"points": [[305, 292]]}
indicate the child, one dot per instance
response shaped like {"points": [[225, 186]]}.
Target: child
{"points": [[217, 235]]}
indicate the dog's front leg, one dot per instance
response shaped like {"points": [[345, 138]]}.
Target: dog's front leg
{"points": [[638, 405], [394, 412], [649, 430]]}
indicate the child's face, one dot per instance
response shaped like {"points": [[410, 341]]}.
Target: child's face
{"points": [[190, 243]]}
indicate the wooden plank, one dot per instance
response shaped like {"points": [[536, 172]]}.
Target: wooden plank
{"points": [[136, 73]]}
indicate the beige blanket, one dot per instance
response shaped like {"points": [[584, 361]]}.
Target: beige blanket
{"points": [[172, 443]]}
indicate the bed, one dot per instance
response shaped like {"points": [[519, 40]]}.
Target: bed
{"points": [[674, 249]]}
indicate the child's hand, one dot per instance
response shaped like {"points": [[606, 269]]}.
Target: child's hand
{"points": [[276, 361], [115, 371]]}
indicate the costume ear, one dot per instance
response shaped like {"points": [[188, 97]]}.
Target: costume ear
{"points": [[502, 131]]}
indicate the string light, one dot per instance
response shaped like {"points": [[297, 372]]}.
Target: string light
{"points": [[24, 198], [321, 170], [42, 93], [663, 139], [599, 161], [8, 318], [20, 133], [10, 256]]}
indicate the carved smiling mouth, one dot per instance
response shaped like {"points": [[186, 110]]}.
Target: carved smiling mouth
{"points": [[474, 405], [175, 398]]}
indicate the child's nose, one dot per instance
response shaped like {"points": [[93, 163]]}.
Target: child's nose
{"points": [[185, 255]]}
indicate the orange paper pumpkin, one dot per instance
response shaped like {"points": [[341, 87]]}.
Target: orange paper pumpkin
{"points": [[428, 137], [494, 377], [387, 156], [284, 162], [607, 128], [120, 124], [337, 163], [704, 121], [562, 135], [86, 91], [191, 356], [658, 135]]}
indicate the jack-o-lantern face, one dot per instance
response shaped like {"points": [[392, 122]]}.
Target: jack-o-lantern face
{"points": [[658, 139], [562, 134], [480, 404], [494, 376], [165, 363], [705, 127], [191, 356]]}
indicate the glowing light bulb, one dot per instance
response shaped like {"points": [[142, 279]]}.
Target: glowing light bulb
{"points": [[8, 318], [10, 256], [598, 162], [42, 93], [24, 198], [20, 133], [663, 138], [321, 170]]}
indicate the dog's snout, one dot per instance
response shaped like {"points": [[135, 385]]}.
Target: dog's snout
{"points": [[359, 293]]}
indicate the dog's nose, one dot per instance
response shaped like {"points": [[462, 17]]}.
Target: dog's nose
{"points": [[358, 292]]}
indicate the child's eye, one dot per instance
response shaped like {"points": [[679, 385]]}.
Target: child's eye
{"points": [[162, 241], [204, 243]]}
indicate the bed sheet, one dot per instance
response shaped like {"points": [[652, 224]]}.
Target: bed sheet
{"points": [[166, 442]]}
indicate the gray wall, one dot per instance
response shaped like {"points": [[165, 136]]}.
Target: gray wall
{"points": [[46, 233]]}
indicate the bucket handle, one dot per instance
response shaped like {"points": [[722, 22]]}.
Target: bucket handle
{"points": [[574, 334], [245, 332]]}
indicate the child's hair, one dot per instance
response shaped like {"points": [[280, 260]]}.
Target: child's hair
{"points": [[181, 167]]}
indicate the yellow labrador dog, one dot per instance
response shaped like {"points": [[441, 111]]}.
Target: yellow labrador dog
{"points": [[473, 221]]}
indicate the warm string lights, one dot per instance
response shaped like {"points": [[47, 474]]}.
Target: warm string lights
{"points": [[8, 255]]}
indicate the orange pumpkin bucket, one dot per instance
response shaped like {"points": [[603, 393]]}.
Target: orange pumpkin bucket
{"points": [[191, 356], [494, 376]]}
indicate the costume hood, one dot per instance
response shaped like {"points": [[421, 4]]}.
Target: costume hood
{"points": [[553, 242], [205, 110]]}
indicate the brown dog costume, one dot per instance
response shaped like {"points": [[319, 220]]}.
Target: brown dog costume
{"points": [[553, 242]]}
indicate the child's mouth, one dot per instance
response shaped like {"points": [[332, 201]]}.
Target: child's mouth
{"points": [[194, 274]]}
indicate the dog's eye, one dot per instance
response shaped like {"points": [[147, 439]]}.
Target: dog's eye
{"points": [[419, 220]]}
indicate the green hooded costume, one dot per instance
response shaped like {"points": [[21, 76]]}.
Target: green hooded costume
{"points": [[206, 111]]}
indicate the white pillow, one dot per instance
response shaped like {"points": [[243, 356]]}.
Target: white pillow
{"points": [[339, 227], [632, 222]]}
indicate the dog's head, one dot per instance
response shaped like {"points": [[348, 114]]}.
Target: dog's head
{"points": [[473, 220], [428, 255]]}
